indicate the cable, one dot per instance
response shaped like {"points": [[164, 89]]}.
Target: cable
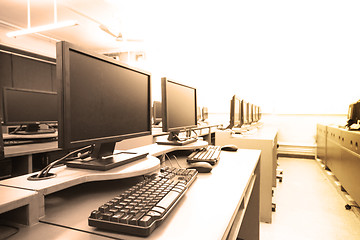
{"points": [[169, 159], [195, 133], [348, 206], [16, 129], [177, 161], [44, 172]]}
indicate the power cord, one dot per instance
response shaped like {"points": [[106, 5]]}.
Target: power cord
{"points": [[44, 173], [348, 206], [177, 161], [169, 160]]}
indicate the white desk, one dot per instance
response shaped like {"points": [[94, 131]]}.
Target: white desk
{"points": [[264, 139], [232, 187]]}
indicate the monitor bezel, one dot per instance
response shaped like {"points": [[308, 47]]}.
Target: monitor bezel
{"points": [[157, 118], [204, 113], [245, 113], [63, 80], [7, 122], [165, 120], [233, 112]]}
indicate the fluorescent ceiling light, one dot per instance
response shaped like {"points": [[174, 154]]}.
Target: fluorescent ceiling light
{"points": [[42, 28]]}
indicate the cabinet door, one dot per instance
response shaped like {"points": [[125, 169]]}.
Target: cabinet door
{"points": [[348, 172], [333, 140], [321, 142]]}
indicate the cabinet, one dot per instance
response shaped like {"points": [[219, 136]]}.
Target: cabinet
{"points": [[321, 132], [342, 156], [264, 139]]}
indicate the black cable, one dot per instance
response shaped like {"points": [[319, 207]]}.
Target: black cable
{"points": [[16, 129], [44, 172], [348, 206], [12, 234]]}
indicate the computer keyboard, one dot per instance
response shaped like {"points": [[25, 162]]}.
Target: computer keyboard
{"points": [[143, 207], [210, 154]]}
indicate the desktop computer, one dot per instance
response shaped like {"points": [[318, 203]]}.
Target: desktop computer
{"points": [[157, 113], [102, 101], [30, 108], [236, 112], [179, 112], [353, 116]]}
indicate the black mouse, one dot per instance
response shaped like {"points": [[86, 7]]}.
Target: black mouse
{"points": [[229, 147], [201, 167]]}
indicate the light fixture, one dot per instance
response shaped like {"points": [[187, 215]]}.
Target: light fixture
{"points": [[42, 28]]}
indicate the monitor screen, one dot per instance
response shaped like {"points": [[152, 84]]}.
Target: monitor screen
{"points": [[157, 114], [179, 107], [251, 112], [246, 112], [2, 156], [353, 113], [205, 113], [236, 119], [198, 113], [102, 100], [29, 107], [256, 113]]}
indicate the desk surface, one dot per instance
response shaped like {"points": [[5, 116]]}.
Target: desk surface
{"points": [[196, 216], [26, 149]]}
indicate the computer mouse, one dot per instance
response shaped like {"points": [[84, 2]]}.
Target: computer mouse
{"points": [[229, 147], [201, 167]]}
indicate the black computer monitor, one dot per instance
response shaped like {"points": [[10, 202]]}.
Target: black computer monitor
{"points": [[236, 113], [30, 108], [199, 117], [251, 113], [157, 114], [353, 113], [2, 155], [260, 114], [102, 101], [245, 112], [179, 108], [205, 113], [256, 113]]}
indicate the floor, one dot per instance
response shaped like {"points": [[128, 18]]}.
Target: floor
{"points": [[308, 206]]}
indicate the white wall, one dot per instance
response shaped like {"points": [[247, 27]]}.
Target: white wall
{"points": [[287, 56]]}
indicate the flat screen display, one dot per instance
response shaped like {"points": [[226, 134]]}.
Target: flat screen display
{"points": [[179, 106], [25, 106], [103, 100]]}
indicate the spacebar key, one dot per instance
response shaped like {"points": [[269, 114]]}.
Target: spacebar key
{"points": [[168, 200]]}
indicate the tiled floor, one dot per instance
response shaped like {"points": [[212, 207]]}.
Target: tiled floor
{"points": [[308, 206]]}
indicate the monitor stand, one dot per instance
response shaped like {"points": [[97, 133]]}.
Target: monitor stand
{"points": [[174, 139], [103, 158]]}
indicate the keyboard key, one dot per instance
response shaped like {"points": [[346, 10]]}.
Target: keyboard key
{"points": [[168, 200]]}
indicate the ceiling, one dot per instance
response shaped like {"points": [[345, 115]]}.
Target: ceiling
{"points": [[117, 16]]}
